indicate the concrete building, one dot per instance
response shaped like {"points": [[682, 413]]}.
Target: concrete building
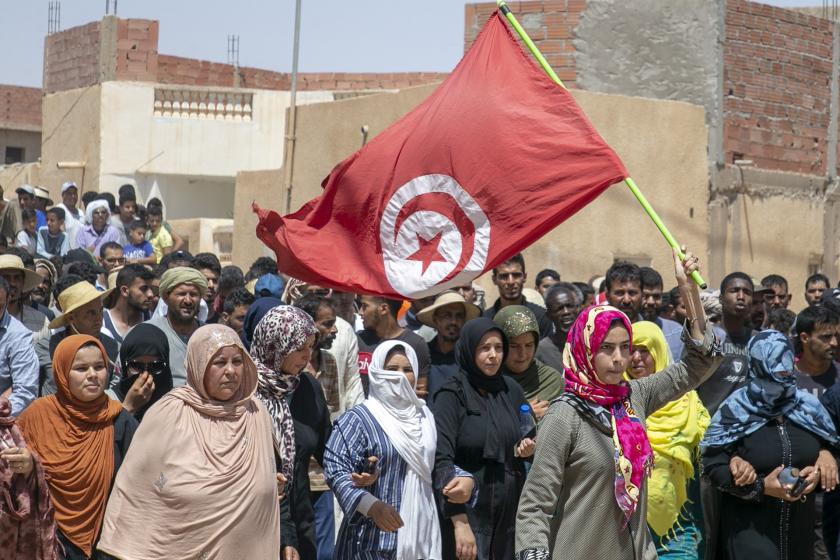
{"points": [[117, 111], [20, 124]]}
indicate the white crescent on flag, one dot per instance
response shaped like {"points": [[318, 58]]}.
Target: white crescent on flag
{"points": [[434, 236]]}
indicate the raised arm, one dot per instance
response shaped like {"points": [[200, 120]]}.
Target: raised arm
{"points": [[701, 357]]}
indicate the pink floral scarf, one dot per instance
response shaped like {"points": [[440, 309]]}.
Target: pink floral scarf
{"points": [[633, 454]]}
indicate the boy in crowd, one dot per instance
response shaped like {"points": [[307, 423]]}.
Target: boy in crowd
{"points": [[27, 238], [159, 238], [138, 250], [234, 309], [52, 240]]}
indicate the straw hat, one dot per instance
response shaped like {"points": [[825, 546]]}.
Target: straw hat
{"points": [[31, 279], [74, 297], [445, 298]]}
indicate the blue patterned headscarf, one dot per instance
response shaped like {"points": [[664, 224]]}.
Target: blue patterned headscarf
{"points": [[770, 393]]}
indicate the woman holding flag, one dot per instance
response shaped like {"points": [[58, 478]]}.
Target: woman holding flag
{"points": [[585, 495]]}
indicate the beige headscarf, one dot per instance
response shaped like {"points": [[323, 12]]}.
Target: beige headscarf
{"points": [[199, 478]]}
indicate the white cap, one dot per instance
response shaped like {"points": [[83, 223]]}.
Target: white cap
{"points": [[26, 189], [68, 185]]}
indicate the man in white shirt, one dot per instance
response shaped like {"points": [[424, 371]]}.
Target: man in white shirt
{"points": [[74, 218]]}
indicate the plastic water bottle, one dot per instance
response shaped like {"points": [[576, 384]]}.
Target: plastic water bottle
{"points": [[526, 420]]}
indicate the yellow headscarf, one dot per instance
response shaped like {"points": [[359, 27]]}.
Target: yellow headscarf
{"points": [[675, 431]]}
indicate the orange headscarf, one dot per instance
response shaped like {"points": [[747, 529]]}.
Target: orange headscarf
{"points": [[75, 441]]}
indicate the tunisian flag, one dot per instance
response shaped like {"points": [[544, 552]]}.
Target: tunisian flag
{"points": [[491, 161]]}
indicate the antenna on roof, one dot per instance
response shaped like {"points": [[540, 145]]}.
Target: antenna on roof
{"points": [[54, 17], [233, 50], [108, 6]]}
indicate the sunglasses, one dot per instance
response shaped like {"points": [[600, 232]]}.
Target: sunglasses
{"points": [[155, 368]]}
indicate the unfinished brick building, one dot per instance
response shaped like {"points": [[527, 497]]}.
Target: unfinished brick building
{"points": [[768, 80]]}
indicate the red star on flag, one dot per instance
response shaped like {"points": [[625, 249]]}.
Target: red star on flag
{"points": [[428, 251]]}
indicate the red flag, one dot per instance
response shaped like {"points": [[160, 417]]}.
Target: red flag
{"points": [[491, 161]]}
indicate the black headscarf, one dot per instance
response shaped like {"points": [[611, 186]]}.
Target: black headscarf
{"points": [[466, 347], [145, 340], [255, 313], [503, 428]]}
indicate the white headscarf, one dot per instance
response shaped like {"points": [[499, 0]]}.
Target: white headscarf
{"points": [[94, 204], [410, 427]]}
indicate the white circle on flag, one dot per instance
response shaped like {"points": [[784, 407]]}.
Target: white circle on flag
{"points": [[428, 246]]}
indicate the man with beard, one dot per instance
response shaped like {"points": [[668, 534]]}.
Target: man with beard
{"points": [[41, 297], [815, 286], [509, 277], [778, 296], [132, 302], [22, 280], [345, 346], [181, 288], [760, 308], [81, 306], [446, 315], [563, 304], [322, 365], [637, 292], [816, 342], [412, 321], [208, 264]]}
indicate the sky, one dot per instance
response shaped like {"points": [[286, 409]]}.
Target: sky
{"points": [[336, 35]]}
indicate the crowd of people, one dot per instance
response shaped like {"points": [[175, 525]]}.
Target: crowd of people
{"points": [[156, 404]]}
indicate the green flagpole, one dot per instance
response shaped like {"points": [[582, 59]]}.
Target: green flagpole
{"points": [[663, 229]]}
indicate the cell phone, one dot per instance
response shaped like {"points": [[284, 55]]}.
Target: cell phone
{"points": [[365, 466], [792, 482]]}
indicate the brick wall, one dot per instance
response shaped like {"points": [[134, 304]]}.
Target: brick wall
{"points": [[550, 23], [20, 107], [777, 80], [71, 58], [192, 72], [137, 55]]}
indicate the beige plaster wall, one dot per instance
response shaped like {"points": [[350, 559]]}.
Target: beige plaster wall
{"points": [[13, 176], [662, 143], [134, 140], [777, 235], [264, 187], [71, 133], [202, 235], [329, 132]]}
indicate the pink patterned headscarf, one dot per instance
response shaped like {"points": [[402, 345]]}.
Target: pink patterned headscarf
{"points": [[633, 454]]}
